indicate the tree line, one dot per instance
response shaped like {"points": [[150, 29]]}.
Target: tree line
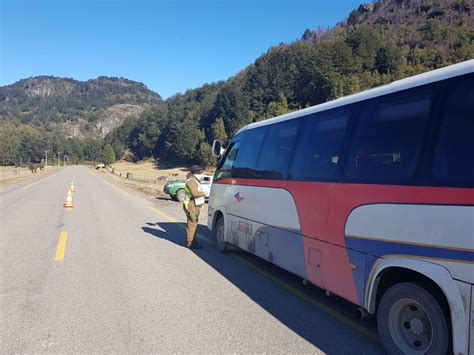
{"points": [[378, 44], [22, 144]]}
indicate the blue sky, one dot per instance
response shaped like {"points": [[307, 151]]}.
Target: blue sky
{"points": [[169, 45]]}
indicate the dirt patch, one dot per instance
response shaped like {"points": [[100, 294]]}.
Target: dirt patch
{"points": [[8, 169], [149, 169], [8, 183], [145, 178], [148, 190]]}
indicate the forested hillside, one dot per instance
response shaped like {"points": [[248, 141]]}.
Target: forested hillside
{"points": [[43, 112], [376, 44]]}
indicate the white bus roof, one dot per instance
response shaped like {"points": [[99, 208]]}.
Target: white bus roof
{"points": [[413, 81]]}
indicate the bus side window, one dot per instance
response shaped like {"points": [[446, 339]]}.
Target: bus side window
{"points": [[318, 151], [251, 142], [387, 141], [224, 169], [453, 161], [275, 154]]}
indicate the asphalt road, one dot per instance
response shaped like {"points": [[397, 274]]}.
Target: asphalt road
{"points": [[126, 284]]}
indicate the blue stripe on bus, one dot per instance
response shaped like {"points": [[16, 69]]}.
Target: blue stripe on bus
{"points": [[382, 248]]}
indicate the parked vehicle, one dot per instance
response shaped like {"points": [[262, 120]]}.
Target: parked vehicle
{"points": [[175, 188], [370, 197], [206, 183]]}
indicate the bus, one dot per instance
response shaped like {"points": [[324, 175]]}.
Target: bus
{"points": [[370, 197]]}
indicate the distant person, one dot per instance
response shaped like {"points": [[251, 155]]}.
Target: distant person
{"points": [[194, 199]]}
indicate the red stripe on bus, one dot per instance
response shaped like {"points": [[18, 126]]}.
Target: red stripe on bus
{"points": [[323, 208]]}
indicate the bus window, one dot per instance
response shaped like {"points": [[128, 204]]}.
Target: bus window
{"points": [[251, 142], [453, 162], [318, 151], [276, 151], [388, 138], [225, 167]]}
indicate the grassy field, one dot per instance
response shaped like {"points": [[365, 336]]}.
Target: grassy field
{"points": [[6, 177], [149, 169], [9, 169], [146, 169]]}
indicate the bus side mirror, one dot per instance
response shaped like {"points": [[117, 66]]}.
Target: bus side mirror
{"points": [[217, 149]]}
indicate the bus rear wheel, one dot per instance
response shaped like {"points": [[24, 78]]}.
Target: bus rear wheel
{"points": [[221, 244], [411, 321]]}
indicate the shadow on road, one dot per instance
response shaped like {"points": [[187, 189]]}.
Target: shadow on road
{"points": [[164, 198], [314, 325]]}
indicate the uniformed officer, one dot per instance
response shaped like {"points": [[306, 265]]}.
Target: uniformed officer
{"points": [[192, 206]]}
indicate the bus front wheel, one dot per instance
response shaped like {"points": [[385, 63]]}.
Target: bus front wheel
{"points": [[221, 244], [411, 321]]}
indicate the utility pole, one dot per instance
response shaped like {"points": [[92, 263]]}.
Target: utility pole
{"points": [[59, 159], [46, 161]]}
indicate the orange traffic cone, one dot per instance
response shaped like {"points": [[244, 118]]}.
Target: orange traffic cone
{"points": [[68, 204], [73, 189]]}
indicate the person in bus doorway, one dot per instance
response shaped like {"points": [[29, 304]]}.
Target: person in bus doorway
{"points": [[194, 200]]}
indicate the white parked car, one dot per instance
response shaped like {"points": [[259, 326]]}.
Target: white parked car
{"points": [[206, 183]]}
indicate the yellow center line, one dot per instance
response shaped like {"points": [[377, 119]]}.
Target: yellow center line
{"points": [[305, 297], [61, 246], [163, 215]]}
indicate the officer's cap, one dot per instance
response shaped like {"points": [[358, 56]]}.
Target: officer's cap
{"points": [[196, 169]]}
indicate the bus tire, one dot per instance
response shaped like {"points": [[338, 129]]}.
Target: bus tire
{"points": [[180, 195], [221, 244], [411, 321]]}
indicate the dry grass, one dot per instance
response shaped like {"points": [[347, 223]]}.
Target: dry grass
{"points": [[11, 169], [146, 189], [8, 180], [149, 169], [144, 169]]}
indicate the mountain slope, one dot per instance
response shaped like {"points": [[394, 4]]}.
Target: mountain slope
{"points": [[95, 106], [377, 44]]}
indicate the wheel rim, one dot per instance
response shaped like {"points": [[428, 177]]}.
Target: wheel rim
{"points": [[410, 326], [180, 195], [220, 235]]}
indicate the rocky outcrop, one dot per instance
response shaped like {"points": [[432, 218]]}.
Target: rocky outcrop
{"points": [[92, 107], [46, 87], [367, 7], [114, 116]]}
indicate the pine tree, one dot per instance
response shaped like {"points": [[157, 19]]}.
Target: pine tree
{"points": [[277, 108], [204, 155], [108, 156], [218, 130]]}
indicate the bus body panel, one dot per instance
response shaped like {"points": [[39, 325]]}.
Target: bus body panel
{"points": [[276, 236], [389, 229], [317, 203]]}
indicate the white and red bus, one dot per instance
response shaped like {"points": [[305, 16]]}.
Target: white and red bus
{"points": [[371, 197]]}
